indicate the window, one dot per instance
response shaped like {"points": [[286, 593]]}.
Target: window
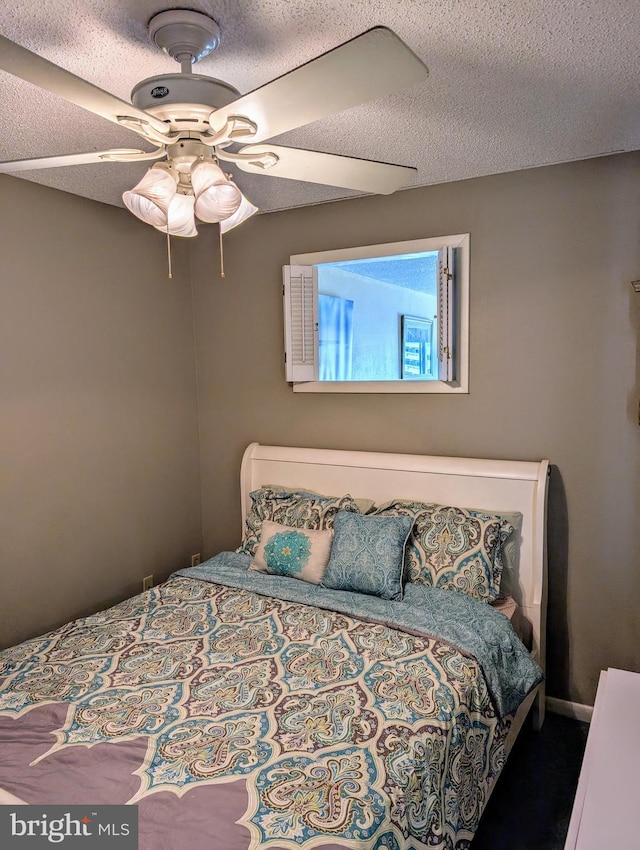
{"points": [[378, 319]]}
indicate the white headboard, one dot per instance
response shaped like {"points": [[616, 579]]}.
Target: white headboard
{"points": [[497, 485]]}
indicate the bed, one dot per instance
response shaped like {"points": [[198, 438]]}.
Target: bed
{"points": [[238, 706]]}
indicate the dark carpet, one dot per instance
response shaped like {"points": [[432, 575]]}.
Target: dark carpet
{"points": [[531, 804]]}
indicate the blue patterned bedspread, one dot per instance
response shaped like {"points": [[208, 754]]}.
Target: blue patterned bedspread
{"points": [[473, 627], [242, 711]]}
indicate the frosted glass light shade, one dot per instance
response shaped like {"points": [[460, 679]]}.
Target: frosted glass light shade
{"points": [[180, 217], [244, 211], [205, 173], [217, 197], [150, 199]]}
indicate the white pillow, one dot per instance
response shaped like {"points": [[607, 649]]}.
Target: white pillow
{"points": [[299, 553]]}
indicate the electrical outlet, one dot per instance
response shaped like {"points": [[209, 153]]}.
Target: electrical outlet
{"points": [[147, 582], [195, 559]]}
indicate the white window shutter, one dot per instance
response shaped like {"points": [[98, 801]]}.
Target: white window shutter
{"points": [[446, 314], [300, 292]]}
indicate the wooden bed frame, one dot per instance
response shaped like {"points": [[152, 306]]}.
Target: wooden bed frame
{"points": [[495, 485]]}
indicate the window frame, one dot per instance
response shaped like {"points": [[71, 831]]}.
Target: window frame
{"points": [[460, 242]]}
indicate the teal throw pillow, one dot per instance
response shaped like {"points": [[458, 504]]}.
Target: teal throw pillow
{"points": [[367, 555]]}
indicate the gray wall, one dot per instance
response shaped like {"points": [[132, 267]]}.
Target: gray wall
{"points": [[99, 465], [554, 373]]}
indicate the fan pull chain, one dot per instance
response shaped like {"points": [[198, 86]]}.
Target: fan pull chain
{"points": [[169, 253], [221, 251]]}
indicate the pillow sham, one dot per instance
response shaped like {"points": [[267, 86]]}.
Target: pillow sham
{"points": [[295, 508], [453, 548], [511, 553], [367, 555], [296, 552], [364, 505]]}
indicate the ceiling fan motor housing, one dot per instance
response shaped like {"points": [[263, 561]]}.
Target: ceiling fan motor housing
{"points": [[184, 100], [182, 88]]}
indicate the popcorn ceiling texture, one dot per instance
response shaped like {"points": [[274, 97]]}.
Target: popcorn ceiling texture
{"points": [[512, 84]]}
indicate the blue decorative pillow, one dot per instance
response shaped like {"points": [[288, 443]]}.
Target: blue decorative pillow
{"points": [[367, 555], [296, 552]]}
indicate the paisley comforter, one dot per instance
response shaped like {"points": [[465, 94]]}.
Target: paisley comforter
{"points": [[240, 710]]}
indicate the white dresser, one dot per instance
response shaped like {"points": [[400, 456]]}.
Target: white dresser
{"points": [[607, 805]]}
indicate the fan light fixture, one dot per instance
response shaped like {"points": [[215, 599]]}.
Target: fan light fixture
{"points": [[174, 194], [170, 198]]}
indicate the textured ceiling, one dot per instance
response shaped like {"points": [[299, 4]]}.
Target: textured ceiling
{"points": [[512, 84]]}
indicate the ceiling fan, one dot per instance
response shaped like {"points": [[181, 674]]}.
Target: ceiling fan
{"points": [[196, 122]]}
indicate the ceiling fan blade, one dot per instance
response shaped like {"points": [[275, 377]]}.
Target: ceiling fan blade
{"points": [[369, 66], [363, 175], [114, 155], [34, 69]]}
